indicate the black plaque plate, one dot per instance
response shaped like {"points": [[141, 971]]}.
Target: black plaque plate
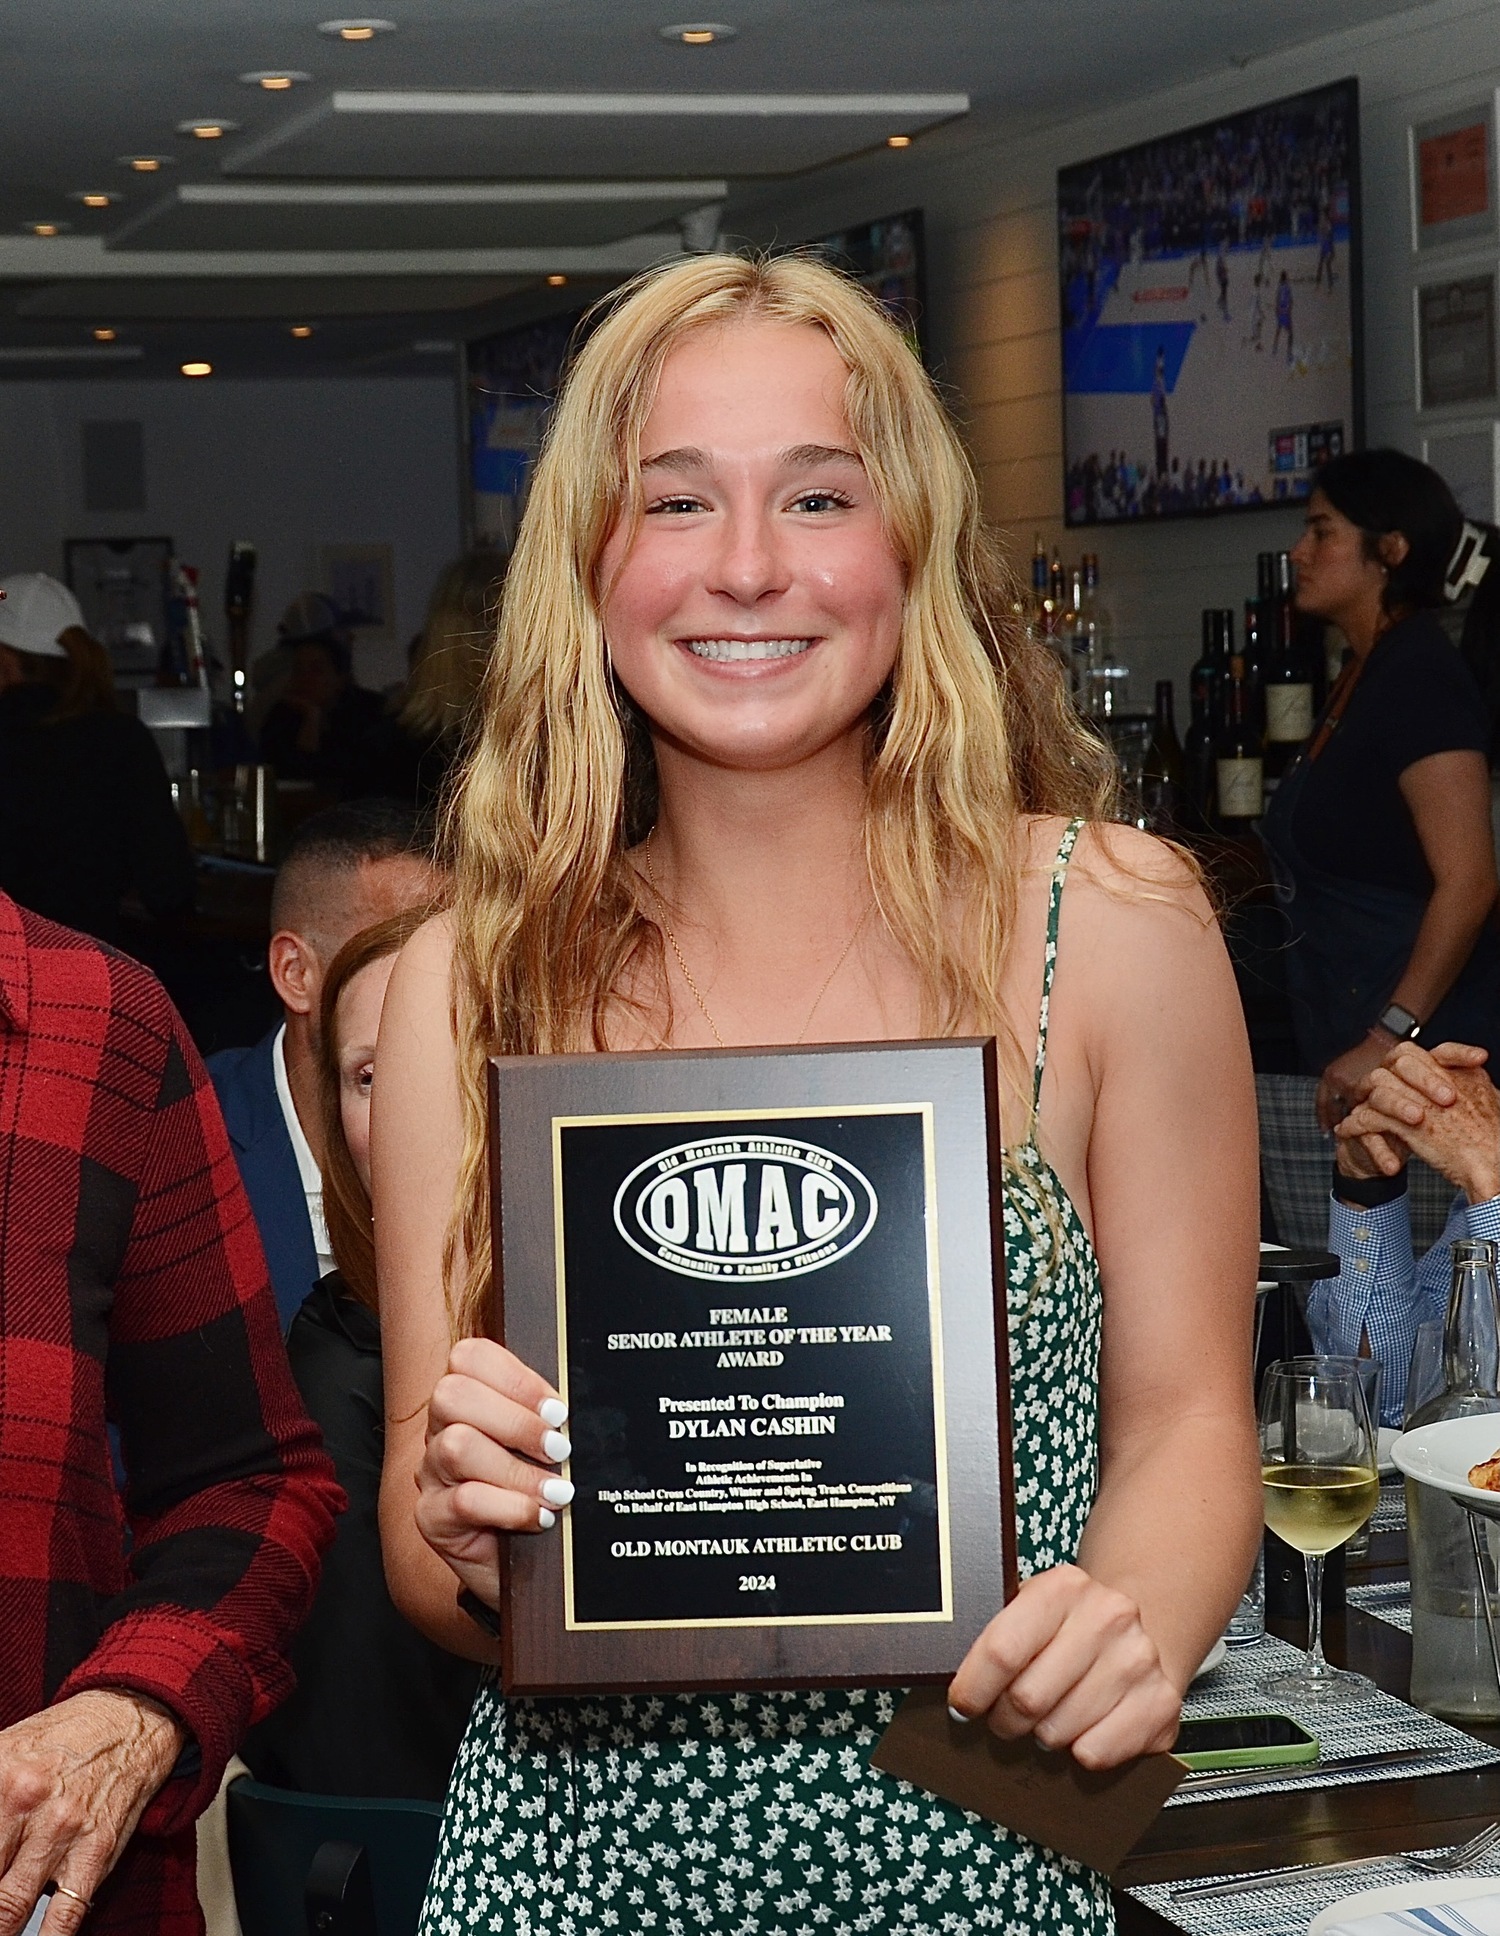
{"points": [[774, 1318]]}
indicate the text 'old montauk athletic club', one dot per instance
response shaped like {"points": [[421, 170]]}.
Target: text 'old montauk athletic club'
{"points": [[745, 1207]]}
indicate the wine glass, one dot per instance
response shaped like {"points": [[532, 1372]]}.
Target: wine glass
{"points": [[1321, 1480]]}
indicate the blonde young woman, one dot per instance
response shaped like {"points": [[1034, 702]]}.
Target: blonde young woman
{"points": [[760, 761]]}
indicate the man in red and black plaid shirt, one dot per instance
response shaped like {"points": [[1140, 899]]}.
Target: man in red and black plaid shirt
{"points": [[139, 1641]]}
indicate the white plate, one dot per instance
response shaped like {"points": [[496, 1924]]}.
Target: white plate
{"points": [[1432, 1892], [1215, 1658], [1440, 1455]]}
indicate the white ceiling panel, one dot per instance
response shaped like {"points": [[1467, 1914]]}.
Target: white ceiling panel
{"points": [[396, 133], [417, 215]]}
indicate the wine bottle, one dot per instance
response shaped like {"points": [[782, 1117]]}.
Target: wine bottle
{"points": [[1254, 650], [1163, 777], [1239, 766], [1199, 754], [1210, 676], [1288, 678]]}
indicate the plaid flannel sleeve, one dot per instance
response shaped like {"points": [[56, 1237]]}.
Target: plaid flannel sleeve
{"points": [[230, 1497], [1383, 1292]]}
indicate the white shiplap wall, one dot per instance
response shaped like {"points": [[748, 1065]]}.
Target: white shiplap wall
{"points": [[993, 308]]}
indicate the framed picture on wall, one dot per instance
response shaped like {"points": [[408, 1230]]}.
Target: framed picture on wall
{"points": [[1452, 163], [1455, 324], [1467, 457], [361, 581]]}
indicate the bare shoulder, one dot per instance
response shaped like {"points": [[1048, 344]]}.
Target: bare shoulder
{"points": [[1137, 925], [424, 967], [1116, 866]]}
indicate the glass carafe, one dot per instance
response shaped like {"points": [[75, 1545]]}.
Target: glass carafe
{"points": [[1452, 1671]]}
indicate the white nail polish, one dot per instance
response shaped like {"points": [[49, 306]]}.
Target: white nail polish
{"points": [[557, 1492], [555, 1446], [546, 1520], [954, 1715], [552, 1411]]}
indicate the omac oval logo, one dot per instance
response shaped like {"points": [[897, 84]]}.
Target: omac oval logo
{"points": [[745, 1207]]}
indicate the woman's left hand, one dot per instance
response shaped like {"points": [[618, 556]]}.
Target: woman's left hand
{"points": [[1070, 1662], [1342, 1083]]}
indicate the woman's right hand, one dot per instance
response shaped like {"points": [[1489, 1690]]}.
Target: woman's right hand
{"points": [[492, 1435]]}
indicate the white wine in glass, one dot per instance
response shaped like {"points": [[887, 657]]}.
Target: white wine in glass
{"points": [[1321, 1481]]}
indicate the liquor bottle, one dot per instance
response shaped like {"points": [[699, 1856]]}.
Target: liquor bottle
{"points": [[1163, 776], [1057, 585], [1452, 1672], [1038, 605], [1096, 617], [1239, 767], [1076, 637], [1288, 679]]}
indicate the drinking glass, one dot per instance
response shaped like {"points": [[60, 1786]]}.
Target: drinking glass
{"points": [[1425, 1378], [1321, 1482]]}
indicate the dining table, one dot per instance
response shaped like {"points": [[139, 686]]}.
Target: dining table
{"points": [[1239, 1834]]}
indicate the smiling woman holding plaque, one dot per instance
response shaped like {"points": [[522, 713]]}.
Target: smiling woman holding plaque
{"points": [[764, 760]]}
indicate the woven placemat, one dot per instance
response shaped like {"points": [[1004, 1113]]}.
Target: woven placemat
{"points": [[1370, 1726], [1389, 1600], [1389, 1515], [1288, 1911]]}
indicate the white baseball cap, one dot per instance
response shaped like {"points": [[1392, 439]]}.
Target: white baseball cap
{"points": [[34, 610]]}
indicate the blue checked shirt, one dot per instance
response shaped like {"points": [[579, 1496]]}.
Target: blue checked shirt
{"points": [[1383, 1293]]}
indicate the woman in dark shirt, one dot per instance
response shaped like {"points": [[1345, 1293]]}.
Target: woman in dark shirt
{"points": [[86, 812], [1380, 835], [378, 1709]]}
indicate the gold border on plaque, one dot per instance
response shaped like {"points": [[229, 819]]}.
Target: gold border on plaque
{"points": [[935, 1328]]}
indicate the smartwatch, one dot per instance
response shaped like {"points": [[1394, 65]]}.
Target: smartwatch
{"points": [[1400, 1022]]}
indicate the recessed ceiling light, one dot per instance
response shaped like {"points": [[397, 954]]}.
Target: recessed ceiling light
{"points": [[207, 130], [556, 282], [356, 29], [48, 229], [93, 197], [898, 141], [104, 335], [699, 33], [197, 369], [146, 164], [301, 330], [275, 80]]}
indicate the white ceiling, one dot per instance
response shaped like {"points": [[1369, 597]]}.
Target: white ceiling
{"points": [[398, 190]]}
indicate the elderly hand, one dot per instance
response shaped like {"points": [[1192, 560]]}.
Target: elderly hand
{"points": [[1069, 1661], [491, 1423], [74, 1781], [1343, 1082], [1440, 1106]]}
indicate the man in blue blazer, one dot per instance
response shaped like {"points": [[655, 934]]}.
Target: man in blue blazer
{"points": [[344, 870]]}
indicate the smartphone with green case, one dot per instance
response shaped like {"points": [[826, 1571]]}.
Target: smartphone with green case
{"points": [[1219, 1741]]}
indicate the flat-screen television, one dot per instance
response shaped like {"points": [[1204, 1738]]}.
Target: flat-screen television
{"points": [[1211, 313], [888, 257]]}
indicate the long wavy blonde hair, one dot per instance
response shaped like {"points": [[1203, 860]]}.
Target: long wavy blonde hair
{"points": [[974, 730]]}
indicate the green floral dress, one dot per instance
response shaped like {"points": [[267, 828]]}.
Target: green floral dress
{"points": [[758, 1814]]}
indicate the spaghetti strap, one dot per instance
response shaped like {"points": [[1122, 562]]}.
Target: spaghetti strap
{"points": [[1049, 961]]}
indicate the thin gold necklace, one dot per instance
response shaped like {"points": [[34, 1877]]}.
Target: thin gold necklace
{"points": [[697, 992]]}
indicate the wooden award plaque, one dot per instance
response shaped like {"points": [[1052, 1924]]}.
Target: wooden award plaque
{"points": [[770, 1286]]}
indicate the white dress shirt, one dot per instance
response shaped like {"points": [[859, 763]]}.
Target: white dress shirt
{"points": [[307, 1163]]}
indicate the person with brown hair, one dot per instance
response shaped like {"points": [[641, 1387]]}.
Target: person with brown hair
{"points": [[377, 1708], [86, 810], [762, 757], [448, 662]]}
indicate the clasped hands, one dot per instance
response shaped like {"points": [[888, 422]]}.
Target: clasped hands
{"points": [[1439, 1105], [1068, 1660]]}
